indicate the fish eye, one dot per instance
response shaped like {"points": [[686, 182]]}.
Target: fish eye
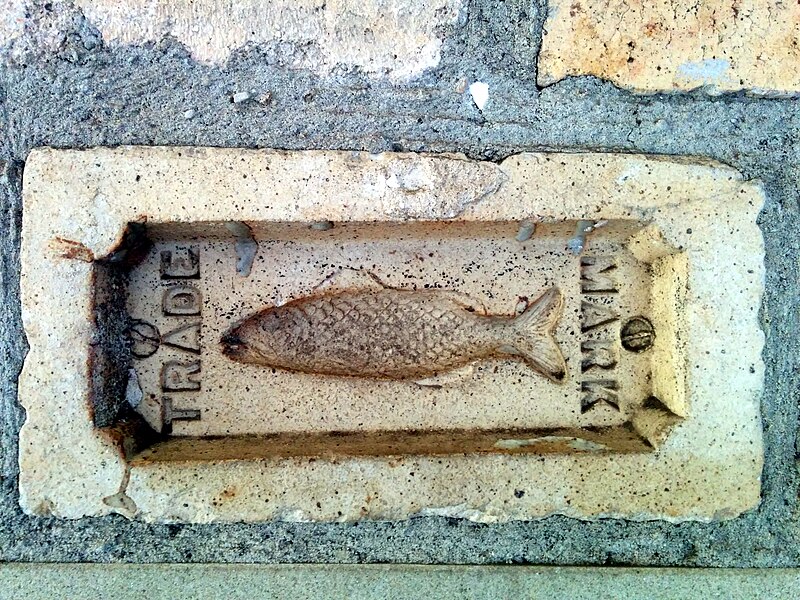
{"points": [[270, 323]]}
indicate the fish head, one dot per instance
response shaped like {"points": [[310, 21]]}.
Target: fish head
{"points": [[254, 340], [237, 344]]}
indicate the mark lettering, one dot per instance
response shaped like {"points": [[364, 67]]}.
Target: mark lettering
{"points": [[596, 275], [169, 413], [598, 353], [177, 376], [601, 390], [594, 315], [599, 317], [181, 300], [186, 337], [181, 263]]}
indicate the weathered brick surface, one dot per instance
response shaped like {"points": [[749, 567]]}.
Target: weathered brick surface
{"points": [[394, 38], [673, 45]]}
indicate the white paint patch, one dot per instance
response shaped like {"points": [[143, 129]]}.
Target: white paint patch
{"points": [[462, 511], [480, 94], [630, 173], [711, 71], [292, 515]]}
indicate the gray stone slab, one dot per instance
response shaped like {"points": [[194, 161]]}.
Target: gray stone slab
{"points": [[384, 582]]}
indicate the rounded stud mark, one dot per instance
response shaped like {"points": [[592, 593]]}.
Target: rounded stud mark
{"points": [[637, 334], [145, 338]]}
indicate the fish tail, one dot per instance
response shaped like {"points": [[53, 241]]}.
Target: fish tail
{"points": [[534, 340]]}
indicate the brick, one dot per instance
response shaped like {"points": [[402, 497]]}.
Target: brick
{"points": [[677, 45], [398, 38], [671, 432]]}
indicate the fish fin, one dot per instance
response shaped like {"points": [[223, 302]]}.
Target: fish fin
{"points": [[467, 302], [534, 340], [442, 379], [343, 279], [348, 280]]}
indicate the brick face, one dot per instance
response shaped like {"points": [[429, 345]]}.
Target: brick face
{"points": [[394, 38], [678, 45]]}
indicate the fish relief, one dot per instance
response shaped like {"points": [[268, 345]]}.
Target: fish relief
{"points": [[380, 332]]}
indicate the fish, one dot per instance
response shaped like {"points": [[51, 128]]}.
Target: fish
{"points": [[388, 333]]}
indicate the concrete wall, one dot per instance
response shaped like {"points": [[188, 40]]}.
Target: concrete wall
{"points": [[397, 75]]}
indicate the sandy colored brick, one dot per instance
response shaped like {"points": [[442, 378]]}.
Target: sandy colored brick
{"points": [[398, 38], [693, 221], [676, 45]]}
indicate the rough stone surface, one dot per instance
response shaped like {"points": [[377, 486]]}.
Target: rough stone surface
{"points": [[77, 204], [81, 94], [673, 45], [398, 38]]}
